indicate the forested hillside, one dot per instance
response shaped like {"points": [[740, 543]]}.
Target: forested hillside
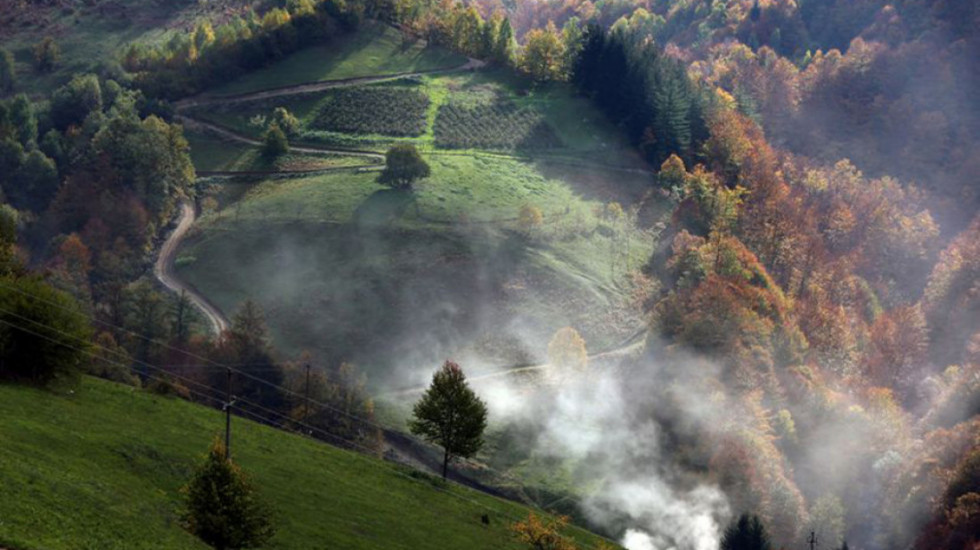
{"points": [[715, 263]]}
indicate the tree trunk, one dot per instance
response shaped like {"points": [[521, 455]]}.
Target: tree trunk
{"points": [[445, 464]]}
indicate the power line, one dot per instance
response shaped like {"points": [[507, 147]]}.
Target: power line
{"points": [[268, 421], [164, 371], [312, 429], [196, 356]]}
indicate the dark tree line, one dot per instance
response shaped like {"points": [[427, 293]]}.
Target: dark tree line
{"points": [[644, 91]]}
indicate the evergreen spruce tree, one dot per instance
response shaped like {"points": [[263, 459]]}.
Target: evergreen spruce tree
{"points": [[222, 509], [586, 64], [503, 46], [451, 415], [747, 533], [672, 107]]}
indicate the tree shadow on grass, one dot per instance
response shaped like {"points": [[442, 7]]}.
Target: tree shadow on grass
{"points": [[383, 207]]}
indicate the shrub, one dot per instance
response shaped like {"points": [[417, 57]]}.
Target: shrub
{"points": [[275, 143], [46, 54], [285, 120], [542, 535], [529, 218], [168, 388]]}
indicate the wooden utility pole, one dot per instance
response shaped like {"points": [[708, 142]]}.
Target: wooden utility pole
{"points": [[228, 404], [306, 411]]}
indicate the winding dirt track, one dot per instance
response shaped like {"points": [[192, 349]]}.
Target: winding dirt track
{"points": [[164, 266], [163, 269], [633, 343], [294, 89], [225, 133]]}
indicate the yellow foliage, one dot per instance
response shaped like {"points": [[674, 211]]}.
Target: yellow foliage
{"points": [[567, 350], [542, 535], [529, 217]]}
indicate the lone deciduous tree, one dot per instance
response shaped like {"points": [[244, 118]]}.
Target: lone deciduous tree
{"points": [[567, 351], [222, 509], [543, 54], [403, 165], [529, 218], [451, 415]]}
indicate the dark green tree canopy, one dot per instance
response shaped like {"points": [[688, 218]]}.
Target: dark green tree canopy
{"points": [[451, 415], [222, 508], [35, 183], [23, 119], [403, 165], [43, 333], [746, 533], [71, 103]]}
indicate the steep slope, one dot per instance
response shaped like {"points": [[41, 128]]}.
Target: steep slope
{"points": [[101, 467]]}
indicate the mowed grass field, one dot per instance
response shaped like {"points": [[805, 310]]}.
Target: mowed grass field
{"points": [[393, 280], [102, 466], [375, 49]]}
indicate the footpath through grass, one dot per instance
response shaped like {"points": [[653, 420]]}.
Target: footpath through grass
{"points": [[101, 467], [210, 153]]}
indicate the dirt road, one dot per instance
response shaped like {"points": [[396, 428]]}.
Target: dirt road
{"points": [[294, 89], [225, 133], [163, 270], [631, 344]]}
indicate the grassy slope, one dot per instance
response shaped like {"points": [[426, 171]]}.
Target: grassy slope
{"points": [[376, 49], [351, 271], [347, 265], [350, 265], [213, 154], [101, 468]]}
